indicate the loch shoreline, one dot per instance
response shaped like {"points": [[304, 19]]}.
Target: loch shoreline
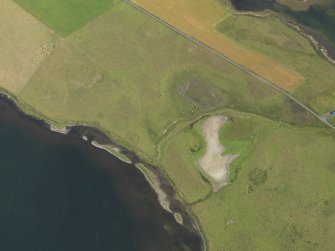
{"points": [[173, 203], [320, 44]]}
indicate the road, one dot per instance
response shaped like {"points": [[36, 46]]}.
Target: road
{"points": [[263, 80]]}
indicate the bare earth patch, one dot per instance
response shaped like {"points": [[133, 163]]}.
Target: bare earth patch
{"points": [[214, 163]]}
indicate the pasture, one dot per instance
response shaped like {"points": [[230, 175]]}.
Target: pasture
{"points": [[271, 199], [24, 44], [129, 79], [332, 120], [283, 197], [324, 103], [149, 89], [179, 162], [66, 16]]}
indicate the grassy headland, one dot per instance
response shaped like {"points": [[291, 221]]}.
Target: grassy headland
{"points": [[147, 87]]}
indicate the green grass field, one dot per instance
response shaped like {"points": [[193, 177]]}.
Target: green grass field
{"points": [[238, 136], [178, 161], [283, 197], [332, 120], [66, 16], [271, 37], [135, 78], [147, 88], [281, 194]]}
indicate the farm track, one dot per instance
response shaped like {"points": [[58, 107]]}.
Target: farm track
{"points": [[208, 48]]}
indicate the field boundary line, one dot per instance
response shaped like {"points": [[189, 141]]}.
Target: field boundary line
{"points": [[227, 59]]}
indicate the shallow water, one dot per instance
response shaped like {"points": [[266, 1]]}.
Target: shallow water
{"points": [[58, 192], [253, 5]]}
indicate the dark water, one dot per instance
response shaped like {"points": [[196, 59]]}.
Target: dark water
{"points": [[58, 193], [253, 5], [321, 18], [318, 21]]}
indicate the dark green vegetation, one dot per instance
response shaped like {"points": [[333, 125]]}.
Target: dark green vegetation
{"points": [[61, 194], [66, 16]]}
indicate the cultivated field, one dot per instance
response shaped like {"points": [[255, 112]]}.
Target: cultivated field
{"points": [[24, 44], [196, 22], [67, 16]]}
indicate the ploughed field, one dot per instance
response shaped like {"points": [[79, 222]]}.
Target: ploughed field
{"points": [[106, 64]]}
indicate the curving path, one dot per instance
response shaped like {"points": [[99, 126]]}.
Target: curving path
{"points": [[265, 81]]}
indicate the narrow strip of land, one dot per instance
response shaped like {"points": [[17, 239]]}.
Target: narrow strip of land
{"points": [[263, 80]]}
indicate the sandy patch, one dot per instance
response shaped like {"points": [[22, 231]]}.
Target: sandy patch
{"points": [[214, 163]]}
